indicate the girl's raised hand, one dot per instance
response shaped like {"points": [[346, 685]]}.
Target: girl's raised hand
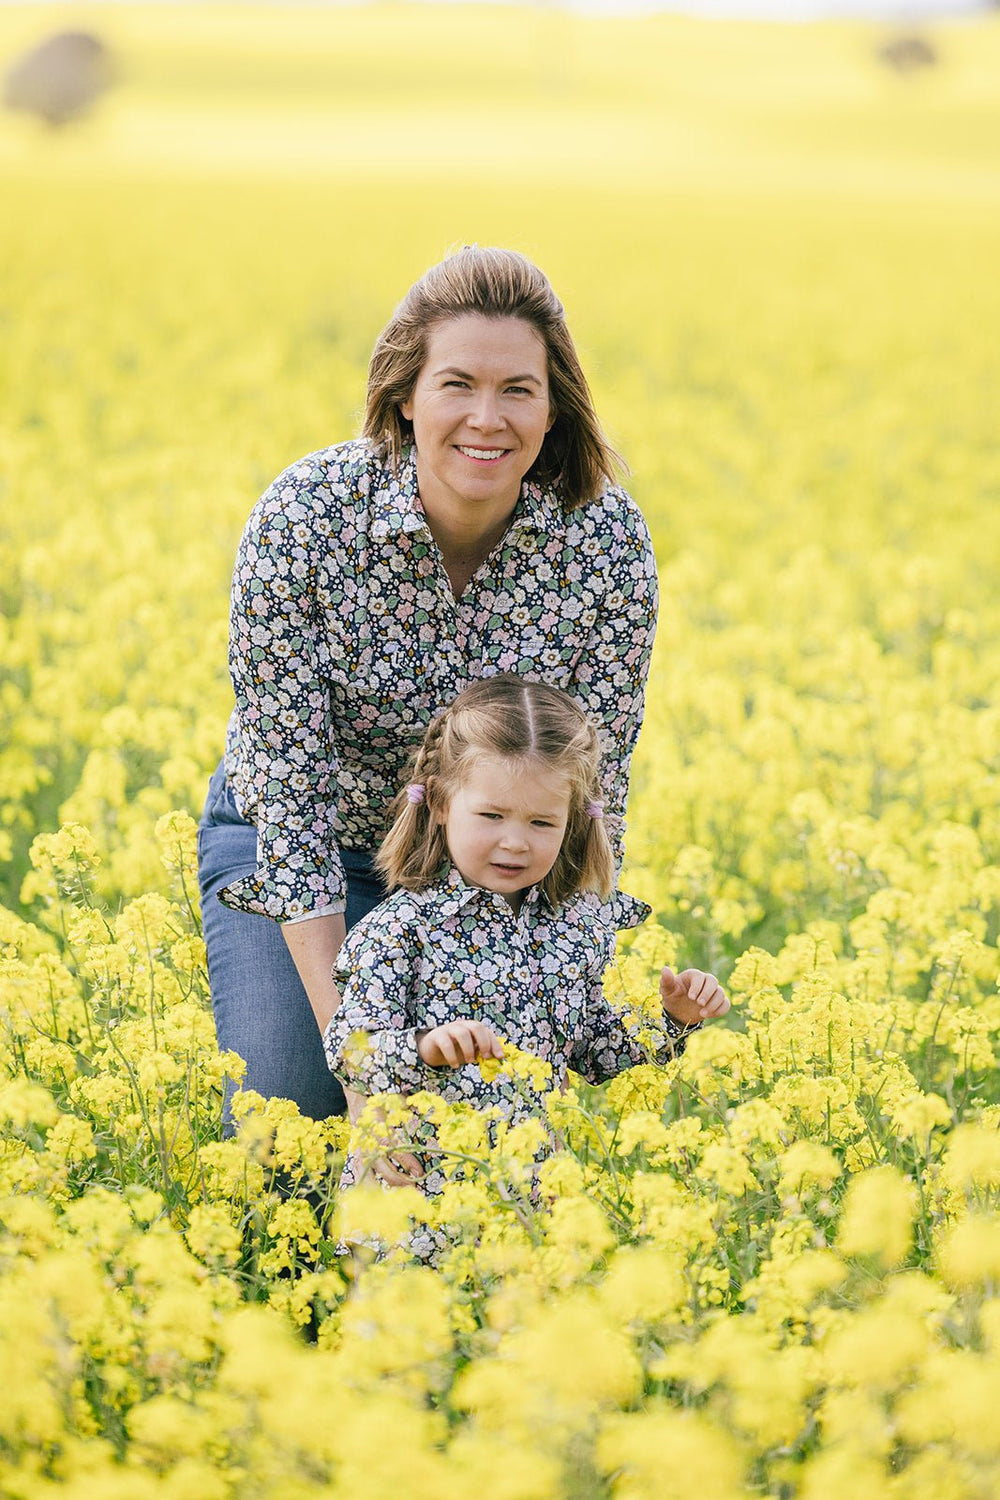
{"points": [[692, 996], [458, 1043]]}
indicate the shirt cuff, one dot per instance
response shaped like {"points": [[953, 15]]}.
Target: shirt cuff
{"points": [[310, 916], [677, 1034], [375, 1062], [296, 875]]}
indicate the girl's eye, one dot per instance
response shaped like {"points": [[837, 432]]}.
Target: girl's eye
{"points": [[489, 815], [542, 823]]}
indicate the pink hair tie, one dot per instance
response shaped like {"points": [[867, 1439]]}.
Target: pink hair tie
{"points": [[415, 793], [595, 809]]}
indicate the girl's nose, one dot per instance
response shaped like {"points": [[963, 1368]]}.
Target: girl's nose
{"points": [[513, 837]]}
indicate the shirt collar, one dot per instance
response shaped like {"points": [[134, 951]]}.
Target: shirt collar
{"points": [[397, 506], [538, 509], [453, 895]]}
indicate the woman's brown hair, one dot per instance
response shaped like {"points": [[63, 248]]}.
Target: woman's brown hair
{"points": [[576, 458], [527, 723]]}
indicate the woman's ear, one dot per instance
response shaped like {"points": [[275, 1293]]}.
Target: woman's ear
{"points": [[405, 409]]}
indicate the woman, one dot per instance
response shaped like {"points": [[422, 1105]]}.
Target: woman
{"points": [[474, 528]]}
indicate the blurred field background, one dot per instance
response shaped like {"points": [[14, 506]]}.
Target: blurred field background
{"points": [[778, 254]]}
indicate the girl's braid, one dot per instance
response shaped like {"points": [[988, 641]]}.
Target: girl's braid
{"points": [[427, 765]]}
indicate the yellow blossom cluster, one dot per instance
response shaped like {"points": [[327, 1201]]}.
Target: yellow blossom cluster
{"points": [[772, 1268]]}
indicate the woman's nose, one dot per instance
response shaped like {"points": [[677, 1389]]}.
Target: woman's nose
{"points": [[485, 415]]}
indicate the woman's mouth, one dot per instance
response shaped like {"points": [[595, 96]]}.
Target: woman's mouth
{"points": [[482, 455]]}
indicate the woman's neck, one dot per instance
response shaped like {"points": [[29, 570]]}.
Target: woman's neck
{"points": [[464, 542]]}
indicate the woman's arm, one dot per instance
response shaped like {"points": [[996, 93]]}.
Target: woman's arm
{"points": [[610, 678], [281, 753], [314, 946]]}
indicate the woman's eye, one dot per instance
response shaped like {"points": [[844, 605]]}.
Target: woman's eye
{"points": [[518, 390], [462, 385]]}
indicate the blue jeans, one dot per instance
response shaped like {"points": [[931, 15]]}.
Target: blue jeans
{"points": [[261, 1009]]}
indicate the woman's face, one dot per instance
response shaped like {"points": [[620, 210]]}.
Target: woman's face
{"points": [[480, 412]]}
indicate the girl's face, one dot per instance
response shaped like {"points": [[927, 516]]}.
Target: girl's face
{"points": [[505, 826]]}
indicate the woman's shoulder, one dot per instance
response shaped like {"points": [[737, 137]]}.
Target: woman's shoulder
{"points": [[613, 517], [323, 485]]}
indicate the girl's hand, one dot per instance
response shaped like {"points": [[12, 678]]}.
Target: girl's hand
{"points": [[458, 1043], [692, 996], [398, 1170]]}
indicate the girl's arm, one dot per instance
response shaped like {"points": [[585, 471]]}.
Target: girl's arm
{"points": [[607, 1047], [371, 1039]]}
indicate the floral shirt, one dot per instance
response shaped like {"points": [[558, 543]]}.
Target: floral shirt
{"points": [[424, 958], [346, 639]]}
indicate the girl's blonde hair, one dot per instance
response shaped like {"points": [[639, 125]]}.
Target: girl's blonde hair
{"points": [[575, 457], [524, 722]]}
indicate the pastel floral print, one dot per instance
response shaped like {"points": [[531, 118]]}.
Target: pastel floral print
{"points": [[346, 639]]}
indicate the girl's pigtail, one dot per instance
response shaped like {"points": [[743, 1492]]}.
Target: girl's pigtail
{"points": [[586, 860], [598, 860], [413, 850]]}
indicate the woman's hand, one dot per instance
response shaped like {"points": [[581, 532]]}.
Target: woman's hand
{"points": [[692, 996], [458, 1043]]}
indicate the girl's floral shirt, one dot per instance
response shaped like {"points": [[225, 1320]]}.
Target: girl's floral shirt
{"points": [[346, 639], [454, 951]]}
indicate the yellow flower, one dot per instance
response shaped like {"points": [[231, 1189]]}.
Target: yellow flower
{"points": [[877, 1219], [212, 1236], [670, 1455], [807, 1163], [969, 1253]]}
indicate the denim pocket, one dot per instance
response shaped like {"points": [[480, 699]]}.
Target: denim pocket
{"points": [[216, 795]]}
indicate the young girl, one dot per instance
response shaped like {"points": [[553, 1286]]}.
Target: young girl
{"points": [[498, 931]]}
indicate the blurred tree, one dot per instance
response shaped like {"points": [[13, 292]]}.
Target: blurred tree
{"points": [[60, 78], [907, 52]]}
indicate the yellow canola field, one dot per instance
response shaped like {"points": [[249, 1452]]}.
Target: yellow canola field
{"points": [[773, 1269]]}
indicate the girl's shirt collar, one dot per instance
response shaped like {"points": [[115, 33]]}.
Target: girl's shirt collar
{"points": [[452, 894]]}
